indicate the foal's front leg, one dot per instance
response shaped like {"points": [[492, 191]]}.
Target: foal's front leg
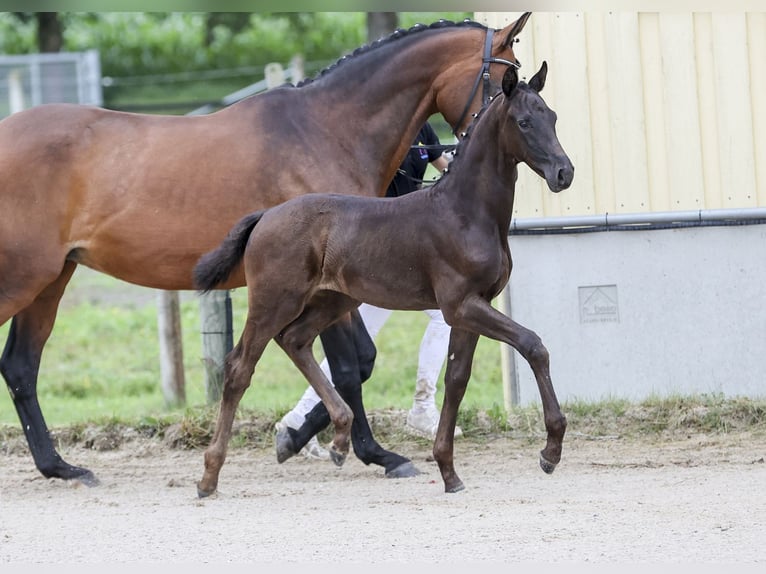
{"points": [[462, 345], [477, 315]]}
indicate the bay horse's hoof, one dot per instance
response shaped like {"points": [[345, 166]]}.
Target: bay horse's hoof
{"points": [[404, 470], [87, 478], [71, 473], [337, 457], [548, 467], [285, 445]]}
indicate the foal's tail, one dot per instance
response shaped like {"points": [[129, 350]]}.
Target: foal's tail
{"points": [[215, 267]]}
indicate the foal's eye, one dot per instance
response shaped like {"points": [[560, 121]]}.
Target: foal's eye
{"points": [[524, 124]]}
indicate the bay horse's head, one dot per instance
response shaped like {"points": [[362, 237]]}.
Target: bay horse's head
{"points": [[530, 130], [457, 100]]}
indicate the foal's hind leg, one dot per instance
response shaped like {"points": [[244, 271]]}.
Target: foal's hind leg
{"points": [[297, 341], [238, 370], [477, 315], [350, 353], [20, 364]]}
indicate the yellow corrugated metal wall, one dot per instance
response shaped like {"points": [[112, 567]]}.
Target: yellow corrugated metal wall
{"points": [[658, 111]]}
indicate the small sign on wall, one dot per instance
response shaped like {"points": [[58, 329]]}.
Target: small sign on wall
{"points": [[598, 304]]}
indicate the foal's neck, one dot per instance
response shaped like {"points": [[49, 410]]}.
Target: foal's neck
{"points": [[485, 177]]}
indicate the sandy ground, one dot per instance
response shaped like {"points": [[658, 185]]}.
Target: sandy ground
{"points": [[695, 499]]}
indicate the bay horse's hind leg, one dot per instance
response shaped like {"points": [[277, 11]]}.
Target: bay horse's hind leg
{"points": [[350, 353], [296, 340], [20, 365]]}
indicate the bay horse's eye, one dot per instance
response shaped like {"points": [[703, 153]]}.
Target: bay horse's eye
{"points": [[524, 124]]}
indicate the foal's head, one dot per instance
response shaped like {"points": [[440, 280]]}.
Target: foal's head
{"points": [[530, 130]]}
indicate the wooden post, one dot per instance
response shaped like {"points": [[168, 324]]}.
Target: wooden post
{"points": [[15, 92], [297, 68], [507, 358], [217, 339], [274, 74], [171, 351]]}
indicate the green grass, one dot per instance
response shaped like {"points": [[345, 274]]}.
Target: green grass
{"points": [[101, 367], [102, 360]]}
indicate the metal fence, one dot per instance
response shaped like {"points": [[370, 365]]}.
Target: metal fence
{"points": [[32, 79]]}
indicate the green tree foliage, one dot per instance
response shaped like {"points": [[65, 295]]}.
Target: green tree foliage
{"points": [[142, 43], [193, 57]]}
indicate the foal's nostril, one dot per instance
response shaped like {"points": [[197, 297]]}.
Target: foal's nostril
{"points": [[565, 176]]}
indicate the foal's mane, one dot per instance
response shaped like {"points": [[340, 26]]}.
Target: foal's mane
{"points": [[396, 35]]}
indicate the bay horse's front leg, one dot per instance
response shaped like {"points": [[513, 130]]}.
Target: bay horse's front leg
{"points": [[351, 354], [462, 345], [20, 365], [477, 315]]}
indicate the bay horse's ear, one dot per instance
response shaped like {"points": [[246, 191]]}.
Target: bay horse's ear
{"points": [[516, 29], [537, 83], [510, 79]]}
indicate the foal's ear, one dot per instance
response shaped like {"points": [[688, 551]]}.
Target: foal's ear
{"points": [[537, 83], [516, 28], [510, 79]]}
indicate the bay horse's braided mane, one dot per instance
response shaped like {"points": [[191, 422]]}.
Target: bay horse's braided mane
{"points": [[396, 35]]}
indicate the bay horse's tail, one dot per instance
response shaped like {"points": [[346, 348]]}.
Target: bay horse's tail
{"points": [[215, 267]]}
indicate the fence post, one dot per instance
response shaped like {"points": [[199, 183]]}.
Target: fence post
{"points": [[15, 92], [172, 375], [217, 339], [507, 358], [275, 75], [297, 69]]}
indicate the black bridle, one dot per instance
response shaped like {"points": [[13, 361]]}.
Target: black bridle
{"points": [[483, 77]]}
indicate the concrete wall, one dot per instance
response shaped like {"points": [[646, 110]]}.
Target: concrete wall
{"points": [[659, 112], [639, 313]]}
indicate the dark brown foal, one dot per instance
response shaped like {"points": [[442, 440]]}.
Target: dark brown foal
{"points": [[310, 260]]}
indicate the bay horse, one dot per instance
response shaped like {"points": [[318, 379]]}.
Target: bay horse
{"points": [[141, 197], [308, 261]]}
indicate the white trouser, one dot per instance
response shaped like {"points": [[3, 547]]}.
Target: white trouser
{"points": [[433, 352]]}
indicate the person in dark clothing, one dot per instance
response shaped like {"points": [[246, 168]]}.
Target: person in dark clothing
{"points": [[426, 148]]}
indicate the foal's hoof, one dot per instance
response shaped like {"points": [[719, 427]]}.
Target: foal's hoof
{"points": [[404, 470], [285, 445], [204, 493], [455, 486], [548, 467], [337, 457]]}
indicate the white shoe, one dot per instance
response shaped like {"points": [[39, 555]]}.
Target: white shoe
{"points": [[425, 422], [312, 450]]}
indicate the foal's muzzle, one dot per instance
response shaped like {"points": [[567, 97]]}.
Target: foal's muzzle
{"points": [[560, 176]]}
